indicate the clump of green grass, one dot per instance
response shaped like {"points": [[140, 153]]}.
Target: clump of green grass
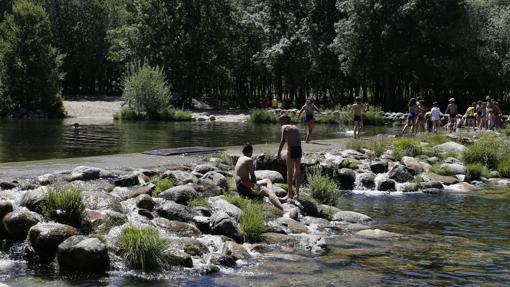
{"points": [[476, 171], [64, 206], [142, 248], [322, 188], [239, 201], [169, 115], [327, 118], [437, 169], [262, 116], [198, 202], [161, 184], [449, 154], [433, 139], [378, 146], [504, 167], [284, 186], [486, 151], [406, 147], [252, 223]]}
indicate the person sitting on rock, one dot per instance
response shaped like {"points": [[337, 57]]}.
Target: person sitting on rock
{"points": [[246, 181], [290, 134]]}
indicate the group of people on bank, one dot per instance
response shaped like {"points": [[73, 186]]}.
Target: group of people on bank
{"points": [[481, 115]]}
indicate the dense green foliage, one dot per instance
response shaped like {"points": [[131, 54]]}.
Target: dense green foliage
{"points": [[486, 151], [29, 64], [235, 53], [64, 206], [161, 184], [476, 171], [263, 116], [142, 248], [252, 223], [322, 188]]}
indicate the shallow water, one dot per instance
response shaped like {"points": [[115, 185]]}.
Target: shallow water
{"points": [[453, 239], [36, 140]]}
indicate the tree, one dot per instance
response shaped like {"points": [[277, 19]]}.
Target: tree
{"points": [[30, 76]]}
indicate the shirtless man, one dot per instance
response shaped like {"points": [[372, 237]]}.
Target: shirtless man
{"points": [[246, 180], [452, 110], [290, 134], [357, 114]]}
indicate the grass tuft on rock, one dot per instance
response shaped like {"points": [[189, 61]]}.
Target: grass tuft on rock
{"points": [[142, 248], [485, 151], [252, 222], [262, 116], [239, 201], [322, 188], [198, 202], [161, 184], [406, 147], [64, 206], [476, 171], [504, 167]]}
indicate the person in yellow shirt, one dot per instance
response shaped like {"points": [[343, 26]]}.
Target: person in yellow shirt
{"points": [[274, 103], [471, 116]]}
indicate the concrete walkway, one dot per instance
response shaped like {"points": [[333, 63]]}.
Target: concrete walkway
{"points": [[27, 169]]}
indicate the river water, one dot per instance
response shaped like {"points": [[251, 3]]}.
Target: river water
{"points": [[37, 140], [453, 239]]}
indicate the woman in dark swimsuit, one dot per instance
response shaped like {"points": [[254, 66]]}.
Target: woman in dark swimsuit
{"points": [[411, 116]]}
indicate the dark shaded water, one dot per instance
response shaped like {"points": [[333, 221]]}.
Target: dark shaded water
{"points": [[449, 240], [35, 140]]}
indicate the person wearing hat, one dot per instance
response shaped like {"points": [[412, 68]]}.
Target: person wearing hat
{"points": [[290, 135], [452, 110]]}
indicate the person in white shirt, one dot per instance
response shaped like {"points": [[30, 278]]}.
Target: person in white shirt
{"points": [[435, 116]]}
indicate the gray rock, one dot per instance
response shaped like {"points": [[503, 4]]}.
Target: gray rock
{"points": [[146, 213], [400, 173], [220, 204], [4, 185], [89, 173], [180, 177], [5, 208], [201, 211], [215, 179], [127, 181], [313, 244], [453, 169], [180, 194], [367, 180], [84, 254], [275, 238], [346, 178], [351, 216], [222, 224], [495, 174], [280, 192], [432, 190], [379, 167], [177, 227], [97, 200], [386, 185], [18, 223], [203, 223], [290, 226], [176, 257], [235, 250], [412, 164], [192, 246], [33, 199], [377, 234], [410, 187], [145, 201], [431, 184], [174, 211], [46, 179], [45, 238], [433, 160], [205, 168], [272, 175], [450, 147], [147, 172]]}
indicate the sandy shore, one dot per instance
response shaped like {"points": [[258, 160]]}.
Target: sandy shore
{"points": [[98, 111]]}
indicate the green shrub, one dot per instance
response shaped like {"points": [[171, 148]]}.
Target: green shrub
{"points": [[252, 223], [145, 90], [172, 115], [64, 206], [328, 118], [263, 116], [504, 167], [322, 188], [142, 248], [476, 171], [239, 201], [406, 147], [161, 184], [485, 151], [169, 115], [198, 202]]}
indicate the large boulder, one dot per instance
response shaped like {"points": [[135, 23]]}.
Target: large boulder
{"points": [[386, 185], [33, 199], [235, 250], [346, 178], [89, 173], [288, 226], [367, 180], [127, 181], [175, 257], [450, 147], [84, 254], [177, 227], [180, 177], [272, 175], [4, 185], [45, 238], [18, 223], [351, 216], [447, 180], [5, 208], [215, 179], [313, 244], [174, 211], [222, 224], [400, 173], [205, 168], [453, 169], [97, 200], [412, 164], [379, 167], [180, 194], [220, 204], [192, 246]]}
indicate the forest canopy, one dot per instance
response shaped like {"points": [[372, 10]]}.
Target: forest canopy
{"points": [[233, 53]]}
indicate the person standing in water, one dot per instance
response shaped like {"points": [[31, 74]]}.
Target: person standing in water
{"points": [[290, 134], [411, 116], [357, 116], [309, 108], [246, 181], [452, 110], [435, 116]]}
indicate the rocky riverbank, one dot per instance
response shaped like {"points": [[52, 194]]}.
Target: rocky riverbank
{"points": [[204, 224]]}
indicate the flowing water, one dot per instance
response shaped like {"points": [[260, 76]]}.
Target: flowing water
{"points": [[36, 140], [453, 239]]}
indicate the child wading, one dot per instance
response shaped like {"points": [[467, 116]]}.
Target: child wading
{"points": [[435, 116], [309, 108], [357, 114]]}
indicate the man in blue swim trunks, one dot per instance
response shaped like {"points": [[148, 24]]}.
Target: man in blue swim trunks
{"points": [[290, 134], [246, 181]]}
